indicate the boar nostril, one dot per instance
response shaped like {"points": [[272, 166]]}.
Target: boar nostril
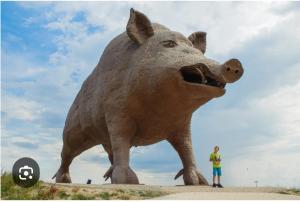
{"points": [[236, 71]]}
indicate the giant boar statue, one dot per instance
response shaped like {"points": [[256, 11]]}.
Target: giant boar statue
{"points": [[145, 88]]}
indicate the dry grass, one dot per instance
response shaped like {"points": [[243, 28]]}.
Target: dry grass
{"points": [[293, 191], [43, 191]]}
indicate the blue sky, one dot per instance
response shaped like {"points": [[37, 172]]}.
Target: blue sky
{"points": [[48, 49]]}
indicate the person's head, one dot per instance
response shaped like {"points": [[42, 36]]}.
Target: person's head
{"points": [[216, 149]]}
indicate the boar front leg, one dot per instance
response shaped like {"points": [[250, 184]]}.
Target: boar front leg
{"points": [[183, 145], [121, 131]]}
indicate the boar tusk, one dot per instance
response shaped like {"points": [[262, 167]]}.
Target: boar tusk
{"points": [[202, 76]]}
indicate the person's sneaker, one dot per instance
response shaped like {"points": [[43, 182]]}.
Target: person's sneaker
{"points": [[220, 186], [214, 185]]}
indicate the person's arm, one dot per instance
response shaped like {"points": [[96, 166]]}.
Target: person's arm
{"points": [[211, 158]]}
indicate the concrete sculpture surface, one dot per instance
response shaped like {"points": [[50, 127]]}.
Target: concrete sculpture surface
{"points": [[147, 84]]}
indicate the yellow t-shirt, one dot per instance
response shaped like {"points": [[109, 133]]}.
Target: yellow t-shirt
{"points": [[215, 157]]}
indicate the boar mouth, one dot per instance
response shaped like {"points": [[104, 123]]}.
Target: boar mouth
{"points": [[201, 75]]}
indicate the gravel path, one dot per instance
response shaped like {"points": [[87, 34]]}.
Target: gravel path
{"points": [[227, 196]]}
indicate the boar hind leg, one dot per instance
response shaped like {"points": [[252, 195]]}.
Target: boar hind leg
{"points": [[121, 131], [183, 145], [74, 144]]}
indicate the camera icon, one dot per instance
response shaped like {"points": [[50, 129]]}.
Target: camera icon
{"points": [[25, 173]]}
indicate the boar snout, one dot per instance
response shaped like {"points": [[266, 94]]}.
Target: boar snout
{"points": [[232, 70]]}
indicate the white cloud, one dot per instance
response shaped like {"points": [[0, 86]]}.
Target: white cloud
{"points": [[272, 159], [229, 24], [20, 66], [20, 108]]}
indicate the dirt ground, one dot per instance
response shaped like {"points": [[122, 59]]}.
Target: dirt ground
{"points": [[194, 192]]}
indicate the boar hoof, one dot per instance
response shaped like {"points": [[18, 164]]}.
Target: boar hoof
{"points": [[123, 175], [192, 177], [62, 177]]}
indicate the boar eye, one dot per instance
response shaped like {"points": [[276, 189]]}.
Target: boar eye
{"points": [[169, 43]]}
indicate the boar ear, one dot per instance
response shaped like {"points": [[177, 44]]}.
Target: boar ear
{"points": [[139, 27], [199, 40]]}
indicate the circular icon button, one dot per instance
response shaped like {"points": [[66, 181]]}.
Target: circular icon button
{"points": [[26, 172]]}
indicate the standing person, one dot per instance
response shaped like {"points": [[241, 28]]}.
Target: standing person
{"points": [[215, 158]]}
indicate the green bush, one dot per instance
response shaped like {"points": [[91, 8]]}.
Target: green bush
{"points": [[104, 195], [81, 197]]}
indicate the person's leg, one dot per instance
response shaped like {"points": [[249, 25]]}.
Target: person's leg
{"points": [[219, 177], [214, 176]]}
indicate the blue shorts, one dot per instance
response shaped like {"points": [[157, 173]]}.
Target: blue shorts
{"points": [[217, 172]]}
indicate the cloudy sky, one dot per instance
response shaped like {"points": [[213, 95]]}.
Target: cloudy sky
{"points": [[48, 49]]}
